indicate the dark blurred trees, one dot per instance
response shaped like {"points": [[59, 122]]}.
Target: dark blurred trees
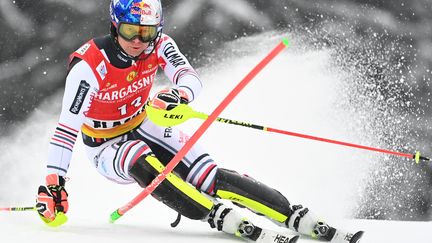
{"points": [[37, 37]]}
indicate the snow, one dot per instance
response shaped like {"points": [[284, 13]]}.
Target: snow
{"points": [[296, 92]]}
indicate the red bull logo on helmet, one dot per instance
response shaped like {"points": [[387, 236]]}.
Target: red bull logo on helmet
{"points": [[141, 8]]}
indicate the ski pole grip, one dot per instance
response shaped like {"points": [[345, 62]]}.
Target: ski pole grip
{"points": [[199, 115]]}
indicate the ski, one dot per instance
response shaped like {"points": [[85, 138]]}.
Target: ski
{"points": [[355, 238], [344, 237], [270, 236], [260, 235]]}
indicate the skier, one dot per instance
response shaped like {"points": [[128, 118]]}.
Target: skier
{"points": [[107, 86]]}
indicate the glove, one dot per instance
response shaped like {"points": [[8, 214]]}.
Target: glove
{"points": [[168, 99], [52, 198]]}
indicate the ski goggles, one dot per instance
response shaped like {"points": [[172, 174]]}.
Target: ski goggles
{"points": [[145, 33]]}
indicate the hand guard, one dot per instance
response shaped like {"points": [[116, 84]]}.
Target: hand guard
{"points": [[168, 99], [52, 198]]}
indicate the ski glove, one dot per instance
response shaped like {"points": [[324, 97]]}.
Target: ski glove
{"points": [[167, 99], [52, 198]]}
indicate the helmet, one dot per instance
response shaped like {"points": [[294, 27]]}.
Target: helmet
{"points": [[142, 12]]}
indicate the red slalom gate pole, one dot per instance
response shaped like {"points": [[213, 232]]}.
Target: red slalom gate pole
{"points": [[206, 124]]}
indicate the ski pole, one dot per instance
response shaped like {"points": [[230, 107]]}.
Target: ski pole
{"points": [[20, 209], [184, 112], [60, 218], [177, 158]]}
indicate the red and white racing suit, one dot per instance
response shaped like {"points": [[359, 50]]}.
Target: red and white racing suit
{"points": [[106, 104]]}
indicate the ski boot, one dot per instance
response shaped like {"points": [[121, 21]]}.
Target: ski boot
{"points": [[324, 231], [229, 221], [306, 223]]}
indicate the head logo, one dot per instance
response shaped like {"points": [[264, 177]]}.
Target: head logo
{"points": [[150, 66], [108, 84], [131, 76]]}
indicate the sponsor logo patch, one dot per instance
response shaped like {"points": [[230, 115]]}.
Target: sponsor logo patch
{"points": [[133, 88], [172, 55], [82, 91], [83, 49], [168, 132], [141, 8], [103, 124], [102, 70], [131, 76]]}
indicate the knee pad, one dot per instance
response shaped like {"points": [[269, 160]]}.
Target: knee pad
{"points": [[252, 194], [173, 191]]}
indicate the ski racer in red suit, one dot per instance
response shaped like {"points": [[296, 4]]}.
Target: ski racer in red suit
{"points": [[107, 87]]}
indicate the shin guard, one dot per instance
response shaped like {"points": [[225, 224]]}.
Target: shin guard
{"points": [[173, 191], [252, 194]]}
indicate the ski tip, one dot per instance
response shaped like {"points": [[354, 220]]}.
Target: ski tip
{"points": [[294, 239], [356, 237]]}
